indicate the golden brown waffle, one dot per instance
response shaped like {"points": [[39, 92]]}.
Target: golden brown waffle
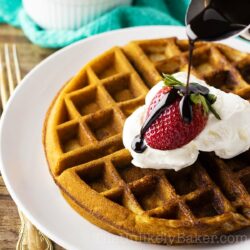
{"points": [[83, 144]]}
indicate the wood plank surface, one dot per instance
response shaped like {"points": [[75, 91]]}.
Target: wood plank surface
{"points": [[29, 56]]}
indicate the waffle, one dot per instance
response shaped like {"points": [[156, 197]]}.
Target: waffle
{"points": [[86, 157]]}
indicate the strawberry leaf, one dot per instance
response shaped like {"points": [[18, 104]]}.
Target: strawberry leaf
{"points": [[211, 98], [200, 99], [195, 98], [171, 81], [212, 110], [199, 94], [204, 104]]}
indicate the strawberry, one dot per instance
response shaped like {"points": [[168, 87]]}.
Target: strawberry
{"points": [[169, 130], [176, 115]]}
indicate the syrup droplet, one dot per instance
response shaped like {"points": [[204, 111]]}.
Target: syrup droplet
{"points": [[138, 144]]}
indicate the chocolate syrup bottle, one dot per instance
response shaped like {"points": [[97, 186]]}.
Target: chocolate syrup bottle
{"points": [[212, 20]]}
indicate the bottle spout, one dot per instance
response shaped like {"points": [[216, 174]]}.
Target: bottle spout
{"points": [[246, 33]]}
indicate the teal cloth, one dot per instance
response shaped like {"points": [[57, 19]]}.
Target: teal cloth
{"points": [[142, 12]]}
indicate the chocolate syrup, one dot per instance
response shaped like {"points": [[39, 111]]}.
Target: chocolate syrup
{"points": [[138, 144], [185, 104], [190, 56], [206, 20]]}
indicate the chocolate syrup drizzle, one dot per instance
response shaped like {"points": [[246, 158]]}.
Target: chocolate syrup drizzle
{"points": [[138, 144]]}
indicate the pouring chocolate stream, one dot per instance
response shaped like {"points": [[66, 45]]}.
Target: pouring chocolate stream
{"points": [[210, 24]]}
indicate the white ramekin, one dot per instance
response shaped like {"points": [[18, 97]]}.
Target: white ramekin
{"points": [[68, 14]]}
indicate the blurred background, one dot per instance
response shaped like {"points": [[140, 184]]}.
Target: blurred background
{"points": [[57, 23]]}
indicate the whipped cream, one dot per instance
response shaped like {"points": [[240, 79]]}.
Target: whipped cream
{"points": [[227, 137]]}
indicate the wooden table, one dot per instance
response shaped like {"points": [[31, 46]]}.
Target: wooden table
{"points": [[29, 56]]}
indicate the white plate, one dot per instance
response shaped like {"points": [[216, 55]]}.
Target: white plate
{"points": [[22, 159]]}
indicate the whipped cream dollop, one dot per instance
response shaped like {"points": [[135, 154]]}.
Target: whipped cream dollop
{"points": [[227, 137]]}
